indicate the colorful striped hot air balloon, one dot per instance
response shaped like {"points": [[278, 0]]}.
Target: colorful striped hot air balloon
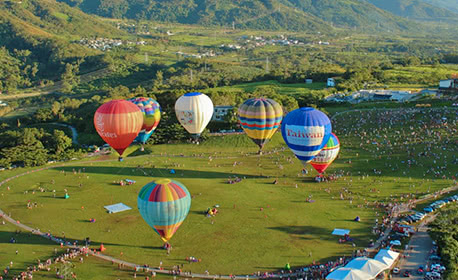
{"points": [[327, 155], [306, 131], [118, 123], [260, 118], [164, 205], [151, 116], [194, 111]]}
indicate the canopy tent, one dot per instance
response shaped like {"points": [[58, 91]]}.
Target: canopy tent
{"points": [[386, 256], [395, 242], [115, 208], [342, 232], [367, 265], [345, 273]]}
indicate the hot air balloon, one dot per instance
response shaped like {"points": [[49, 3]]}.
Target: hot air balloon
{"points": [[164, 205], [151, 116], [118, 123], [260, 118], [327, 155], [194, 111], [306, 131]]}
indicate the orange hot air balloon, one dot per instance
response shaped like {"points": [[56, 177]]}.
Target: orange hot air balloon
{"points": [[118, 122]]}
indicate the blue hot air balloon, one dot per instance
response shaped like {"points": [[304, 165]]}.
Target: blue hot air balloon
{"points": [[306, 131]]}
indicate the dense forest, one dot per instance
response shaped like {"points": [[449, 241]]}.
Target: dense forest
{"points": [[444, 229]]}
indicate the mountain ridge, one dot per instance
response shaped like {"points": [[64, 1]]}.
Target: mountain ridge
{"points": [[293, 15], [415, 9]]}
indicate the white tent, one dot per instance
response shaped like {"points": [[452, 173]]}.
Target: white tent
{"points": [[342, 232], [386, 256], [370, 266], [344, 273]]}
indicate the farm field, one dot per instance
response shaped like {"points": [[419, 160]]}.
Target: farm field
{"points": [[288, 89], [261, 226]]}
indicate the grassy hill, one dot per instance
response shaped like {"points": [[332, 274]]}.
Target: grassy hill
{"points": [[416, 9], [259, 14], [47, 18], [36, 41]]}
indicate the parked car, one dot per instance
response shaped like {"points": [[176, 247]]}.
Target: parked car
{"points": [[396, 270], [428, 209], [406, 273], [434, 258]]}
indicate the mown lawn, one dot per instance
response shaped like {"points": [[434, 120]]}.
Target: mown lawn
{"points": [[261, 226]]}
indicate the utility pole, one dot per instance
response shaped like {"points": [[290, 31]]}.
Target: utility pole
{"points": [[267, 64], [146, 57], [191, 75], [233, 25]]}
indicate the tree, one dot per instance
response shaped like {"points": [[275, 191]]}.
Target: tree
{"points": [[69, 78], [61, 142], [119, 92]]}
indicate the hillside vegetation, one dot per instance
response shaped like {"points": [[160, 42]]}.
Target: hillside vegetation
{"points": [[416, 9], [259, 14], [36, 41], [447, 4]]}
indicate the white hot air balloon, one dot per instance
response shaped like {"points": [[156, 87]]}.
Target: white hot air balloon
{"points": [[194, 111]]}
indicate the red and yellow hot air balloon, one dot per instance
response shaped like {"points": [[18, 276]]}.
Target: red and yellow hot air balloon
{"points": [[118, 122], [327, 155]]}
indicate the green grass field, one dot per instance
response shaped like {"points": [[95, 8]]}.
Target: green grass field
{"points": [[288, 89], [261, 226]]}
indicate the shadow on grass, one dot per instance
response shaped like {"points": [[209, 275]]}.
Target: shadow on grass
{"points": [[154, 172], [304, 231], [31, 239], [23, 238]]}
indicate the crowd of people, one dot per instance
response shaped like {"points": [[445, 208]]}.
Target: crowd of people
{"points": [[69, 255]]}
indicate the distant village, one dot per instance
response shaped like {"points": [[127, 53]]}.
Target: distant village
{"points": [[209, 53], [105, 44], [249, 42]]}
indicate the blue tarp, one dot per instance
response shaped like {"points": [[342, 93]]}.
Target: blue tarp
{"points": [[115, 208], [339, 231]]}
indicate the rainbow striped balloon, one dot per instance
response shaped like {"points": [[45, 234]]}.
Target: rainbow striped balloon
{"points": [[260, 118], [327, 155], [151, 116], [164, 205]]}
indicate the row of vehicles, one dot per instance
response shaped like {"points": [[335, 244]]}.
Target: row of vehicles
{"points": [[418, 216], [440, 203]]}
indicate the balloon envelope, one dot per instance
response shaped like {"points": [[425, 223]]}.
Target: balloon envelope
{"points": [[194, 111], [306, 131], [260, 119], [164, 205], [118, 123], [151, 111], [327, 155]]}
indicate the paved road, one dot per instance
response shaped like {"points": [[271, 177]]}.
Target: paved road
{"points": [[74, 132], [420, 244]]}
